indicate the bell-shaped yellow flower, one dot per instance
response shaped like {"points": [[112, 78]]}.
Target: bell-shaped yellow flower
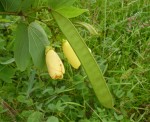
{"points": [[54, 64], [70, 55]]}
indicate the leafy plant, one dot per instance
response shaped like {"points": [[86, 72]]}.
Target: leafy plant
{"points": [[117, 48]]}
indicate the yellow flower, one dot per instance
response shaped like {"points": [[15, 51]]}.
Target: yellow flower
{"points": [[70, 55], [54, 64]]}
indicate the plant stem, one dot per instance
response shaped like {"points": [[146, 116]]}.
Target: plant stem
{"points": [[8, 13]]}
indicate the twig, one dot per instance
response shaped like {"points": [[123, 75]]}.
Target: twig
{"points": [[10, 111]]}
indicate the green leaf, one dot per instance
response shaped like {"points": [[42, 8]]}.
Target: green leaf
{"points": [[21, 98], [118, 117], [25, 5], [52, 119], [26, 113], [9, 61], [21, 50], [37, 42], [92, 69], [89, 27], [6, 73], [31, 83], [54, 4], [31, 17], [35, 117], [1, 7], [17, 5], [84, 120], [2, 43], [70, 12], [11, 5]]}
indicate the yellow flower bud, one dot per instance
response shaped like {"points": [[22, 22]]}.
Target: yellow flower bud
{"points": [[54, 64], [70, 55]]}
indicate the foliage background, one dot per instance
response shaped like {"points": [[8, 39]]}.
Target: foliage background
{"points": [[122, 50]]}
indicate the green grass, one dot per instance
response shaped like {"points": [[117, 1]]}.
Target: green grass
{"points": [[122, 50]]}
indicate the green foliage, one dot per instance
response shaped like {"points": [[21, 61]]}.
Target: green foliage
{"points": [[89, 27], [85, 56], [55, 4], [121, 49], [30, 40], [35, 117], [17, 6], [1, 7], [37, 42], [52, 119], [12, 5], [71, 12], [6, 73], [21, 47]]}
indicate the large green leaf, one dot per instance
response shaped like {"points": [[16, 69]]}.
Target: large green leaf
{"points": [[88, 62], [71, 11], [21, 50], [60, 3], [17, 5], [37, 42], [11, 5], [1, 7], [26, 4]]}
